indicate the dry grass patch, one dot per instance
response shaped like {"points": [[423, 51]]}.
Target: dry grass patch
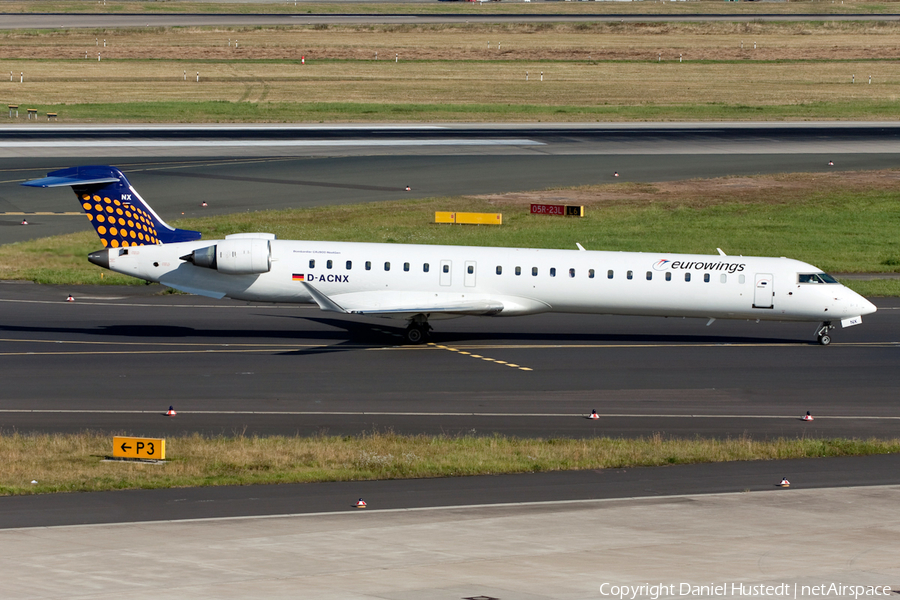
{"points": [[500, 84], [519, 42], [73, 462]]}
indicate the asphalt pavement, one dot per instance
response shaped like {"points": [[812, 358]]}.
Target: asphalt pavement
{"points": [[234, 366], [51, 510]]}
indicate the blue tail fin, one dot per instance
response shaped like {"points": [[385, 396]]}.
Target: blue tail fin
{"points": [[117, 212]]}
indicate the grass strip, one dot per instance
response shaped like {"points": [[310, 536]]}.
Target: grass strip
{"points": [[73, 462], [221, 111], [840, 222]]}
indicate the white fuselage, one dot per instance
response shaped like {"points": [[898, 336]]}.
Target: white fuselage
{"points": [[367, 278]]}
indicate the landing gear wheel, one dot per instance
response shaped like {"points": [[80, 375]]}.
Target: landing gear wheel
{"points": [[822, 333], [415, 334]]}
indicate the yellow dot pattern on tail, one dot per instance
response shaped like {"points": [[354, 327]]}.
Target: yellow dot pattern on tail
{"points": [[119, 223]]}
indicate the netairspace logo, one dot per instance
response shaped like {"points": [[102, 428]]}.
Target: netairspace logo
{"points": [[738, 590]]}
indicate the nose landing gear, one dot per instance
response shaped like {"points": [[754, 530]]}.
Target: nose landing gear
{"points": [[822, 333]]}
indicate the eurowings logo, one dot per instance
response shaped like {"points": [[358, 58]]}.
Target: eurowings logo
{"points": [[661, 265]]}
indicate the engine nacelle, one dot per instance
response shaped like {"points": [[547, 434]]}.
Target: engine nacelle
{"points": [[235, 256]]}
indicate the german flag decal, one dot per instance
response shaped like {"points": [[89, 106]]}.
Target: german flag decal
{"points": [[298, 277]]}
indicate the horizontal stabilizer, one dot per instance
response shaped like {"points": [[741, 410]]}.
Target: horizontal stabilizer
{"points": [[50, 182]]}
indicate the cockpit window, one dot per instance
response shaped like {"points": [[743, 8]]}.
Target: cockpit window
{"points": [[815, 278]]}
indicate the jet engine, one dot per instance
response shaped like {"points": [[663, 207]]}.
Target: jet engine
{"points": [[234, 257]]}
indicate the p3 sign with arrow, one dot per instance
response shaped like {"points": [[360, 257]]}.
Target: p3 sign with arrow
{"points": [[145, 448]]}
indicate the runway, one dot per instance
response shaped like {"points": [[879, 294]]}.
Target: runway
{"points": [[232, 366]]}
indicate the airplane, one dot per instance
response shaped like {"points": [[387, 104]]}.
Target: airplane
{"points": [[418, 283]]}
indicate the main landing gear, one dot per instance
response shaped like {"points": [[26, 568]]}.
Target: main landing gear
{"points": [[822, 333], [417, 330]]}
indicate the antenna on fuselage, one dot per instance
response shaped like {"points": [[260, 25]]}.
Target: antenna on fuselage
{"points": [[720, 252]]}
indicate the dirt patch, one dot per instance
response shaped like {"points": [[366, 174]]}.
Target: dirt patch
{"points": [[698, 193]]}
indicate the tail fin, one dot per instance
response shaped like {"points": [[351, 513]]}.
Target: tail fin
{"points": [[117, 212]]}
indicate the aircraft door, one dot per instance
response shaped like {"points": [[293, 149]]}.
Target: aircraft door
{"points": [[764, 291], [446, 268], [469, 278]]}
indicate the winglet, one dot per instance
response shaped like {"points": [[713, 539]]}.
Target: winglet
{"points": [[324, 302]]}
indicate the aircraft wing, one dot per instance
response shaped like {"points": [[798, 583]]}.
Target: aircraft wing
{"points": [[399, 304]]}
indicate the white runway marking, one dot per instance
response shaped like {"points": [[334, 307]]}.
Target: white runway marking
{"points": [[94, 144], [301, 413]]}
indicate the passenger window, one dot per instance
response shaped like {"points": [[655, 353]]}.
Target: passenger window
{"points": [[312, 263], [629, 275], [406, 266], [609, 274], [518, 270], [668, 275], [552, 271], [687, 276], [446, 268], [499, 270], [387, 266], [741, 279], [328, 264], [534, 271], [349, 265], [706, 278], [368, 265], [571, 272], [723, 278], [649, 275], [590, 273], [425, 268], [470, 269]]}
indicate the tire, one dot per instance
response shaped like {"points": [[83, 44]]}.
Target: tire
{"points": [[415, 335], [824, 339]]}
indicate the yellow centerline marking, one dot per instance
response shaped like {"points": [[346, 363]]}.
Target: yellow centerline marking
{"points": [[484, 358]]}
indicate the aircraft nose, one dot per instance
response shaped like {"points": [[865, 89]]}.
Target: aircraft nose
{"points": [[867, 307]]}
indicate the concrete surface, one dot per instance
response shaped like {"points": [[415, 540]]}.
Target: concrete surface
{"points": [[845, 536]]}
